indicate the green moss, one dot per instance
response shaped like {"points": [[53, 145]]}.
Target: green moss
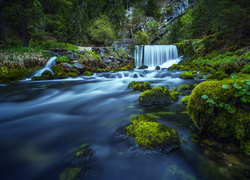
{"points": [[88, 73], [59, 73], [179, 67], [220, 124], [200, 77], [72, 74], [140, 86], [62, 59], [218, 75], [150, 134], [157, 95], [174, 95], [194, 72], [185, 100], [70, 173], [187, 75], [184, 87], [246, 69]]}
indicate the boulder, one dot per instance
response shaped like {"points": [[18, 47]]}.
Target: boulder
{"points": [[140, 86], [78, 66], [157, 68], [155, 96], [187, 75], [151, 135], [143, 67], [66, 67]]}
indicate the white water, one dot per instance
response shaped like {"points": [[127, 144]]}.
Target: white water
{"points": [[47, 67], [156, 55]]}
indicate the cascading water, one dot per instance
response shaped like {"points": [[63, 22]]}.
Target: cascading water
{"points": [[156, 55], [47, 67]]}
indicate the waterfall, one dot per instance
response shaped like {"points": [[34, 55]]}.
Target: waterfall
{"points": [[138, 56], [47, 67], [155, 55]]}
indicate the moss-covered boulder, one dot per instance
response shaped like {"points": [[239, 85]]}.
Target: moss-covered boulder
{"points": [[157, 68], [143, 67], [218, 75], [155, 96], [187, 75], [200, 77], [185, 100], [150, 134], [174, 95], [88, 73], [179, 67], [221, 110], [59, 73], [184, 87], [46, 75], [140, 86]]}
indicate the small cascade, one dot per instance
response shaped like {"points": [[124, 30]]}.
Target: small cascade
{"points": [[120, 75], [47, 67], [155, 55]]}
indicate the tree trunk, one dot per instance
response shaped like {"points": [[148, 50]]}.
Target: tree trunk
{"points": [[26, 36], [2, 27]]}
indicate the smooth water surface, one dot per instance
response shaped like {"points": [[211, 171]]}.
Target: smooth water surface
{"points": [[43, 124]]}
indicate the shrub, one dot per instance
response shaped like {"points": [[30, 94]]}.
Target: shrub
{"points": [[62, 59]]}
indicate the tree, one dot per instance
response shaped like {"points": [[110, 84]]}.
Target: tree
{"points": [[152, 8], [102, 31], [142, 38]]}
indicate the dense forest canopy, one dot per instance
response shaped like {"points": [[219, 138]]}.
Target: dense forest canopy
{"points": [[85, 21]]}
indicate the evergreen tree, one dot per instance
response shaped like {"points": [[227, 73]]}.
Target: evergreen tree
{"points": [[152, 8]]}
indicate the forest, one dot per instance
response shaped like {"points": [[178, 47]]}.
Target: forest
{"points": [[125, 89]]}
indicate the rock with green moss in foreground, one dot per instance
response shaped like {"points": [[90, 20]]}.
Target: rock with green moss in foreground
{"points": [[139, 86], [155, 96], [143, 67], [221, 110], [174, 95], [218, 75], [187, 75], [185, 100], [150, 134]]}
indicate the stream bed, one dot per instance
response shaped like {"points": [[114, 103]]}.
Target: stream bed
{"points": [[43, 124]]}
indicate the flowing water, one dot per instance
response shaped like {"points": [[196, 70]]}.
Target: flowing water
{"points": [[43, 124]]}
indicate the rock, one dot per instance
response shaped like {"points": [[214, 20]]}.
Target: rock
{"points": [[174, 95], [87, 73], [78, 66], [185, 100], [151, 135], [66, 67], [107, 61], [184, 87], [47, 75], [220, 111], [143, 67], [112, 58], [140, 86], [158, 95], [187, 75], [200, 77], [157, 68]]}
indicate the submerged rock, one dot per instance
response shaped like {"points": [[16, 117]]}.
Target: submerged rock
{"points": [[139, 86], [79, 166], [151, 135], [158, 95]]}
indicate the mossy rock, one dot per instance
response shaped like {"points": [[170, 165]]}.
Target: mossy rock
{"points": [[150, 134], [72, 74], [140, 86], [184, 87], [228, 119], [79, 165], [37, 78], [200, 77], [47, 75], [185, 100], [126, 68], [143, 67], [194, 72], [174, 95], [218, 75], [87, 73], [155, 96], [187, 75], [59, 73], [179, 67]]}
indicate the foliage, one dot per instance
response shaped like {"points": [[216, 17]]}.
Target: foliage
{"points": [[102, 31], [142, 38], [174, 95], [185, 100], [62, 59], [152, 8], [246, 69], [152, 28]]}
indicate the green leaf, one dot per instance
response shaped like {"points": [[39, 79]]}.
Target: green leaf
{"points": [[246, 87], [210, 101], [244, 99], [210, 110], [248, 83], [248, 93], [227, 106], [211, 105], [233, 76], [225, 86], [232, 110], [221, 104], [236, 86], [204, 97]]}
